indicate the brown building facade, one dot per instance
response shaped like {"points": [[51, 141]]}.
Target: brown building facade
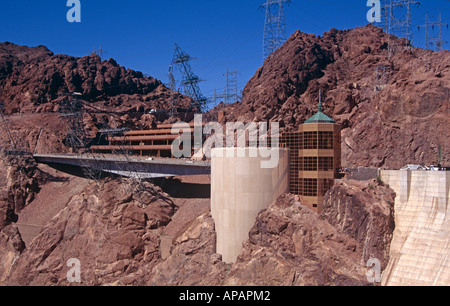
{"points": [[315, 158]]}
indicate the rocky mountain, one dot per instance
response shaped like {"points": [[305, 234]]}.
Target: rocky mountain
{"points": [[117, 231], [393, 110], [34, 82], [33, 79]]}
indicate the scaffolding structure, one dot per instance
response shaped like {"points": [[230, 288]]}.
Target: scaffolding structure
{"points": [[189, 80], [434, 40], [274, 27]]}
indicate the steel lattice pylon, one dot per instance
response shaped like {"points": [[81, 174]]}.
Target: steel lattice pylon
{"points": [[231, 89], [72, 109], [435, 40], [275, 26], [398, 26], [189, 82]]}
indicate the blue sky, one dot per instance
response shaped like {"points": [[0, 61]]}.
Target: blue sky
{"points": [[221, 34]]}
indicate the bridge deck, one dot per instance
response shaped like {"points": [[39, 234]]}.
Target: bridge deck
{"points": [[130, 165]]}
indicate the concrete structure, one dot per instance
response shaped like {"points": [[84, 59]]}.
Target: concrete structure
{"points": [[420, 250], [240, 189], [136, 166], [315, 158]]}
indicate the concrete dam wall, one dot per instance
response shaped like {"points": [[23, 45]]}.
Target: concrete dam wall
{"points": [[420, 250]]}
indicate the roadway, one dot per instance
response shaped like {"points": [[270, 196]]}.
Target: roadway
{"points": [[130, 166]]}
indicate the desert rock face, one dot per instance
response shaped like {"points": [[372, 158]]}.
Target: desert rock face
{"points": [[33, 79], [19, 183], [34, 82], [11, 246], [193, 261], [106, 229], [387, 121], [116, 231], [365, 211], [292, 245], [117, 241]]}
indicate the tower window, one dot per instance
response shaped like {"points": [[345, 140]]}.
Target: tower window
{"points": [[326, 140], [325, 163], [310, 140], [309, 164], [310, 187]]}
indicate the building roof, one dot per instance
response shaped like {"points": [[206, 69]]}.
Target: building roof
{"points": [[320, 117]]}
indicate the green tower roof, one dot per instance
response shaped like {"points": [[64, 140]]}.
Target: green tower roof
{"points": [[320, 117]]}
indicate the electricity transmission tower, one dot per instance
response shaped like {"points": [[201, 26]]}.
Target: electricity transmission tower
{"points": [[72, 109], [231, 89], [275, 26], [435, 40], [216, 97], [189, 81], [10, 144], [382, 77], [230, 93], [12, 147], [173, 87], [398, 26], [99, 51]]}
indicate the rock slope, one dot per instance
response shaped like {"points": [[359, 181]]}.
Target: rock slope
{"points": [[117, 240], [388, 120], [33, 79]]}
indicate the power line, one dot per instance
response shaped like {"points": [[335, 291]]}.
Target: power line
{"points": [[274, 27]]}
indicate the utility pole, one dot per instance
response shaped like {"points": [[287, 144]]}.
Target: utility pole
{"points": [[189, 82], [274, 27], [436, 40]]}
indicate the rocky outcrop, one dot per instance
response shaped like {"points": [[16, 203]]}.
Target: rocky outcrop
{"points": [[106, 228], [116, 235], [20, 179], [193, 261], [11, 246], [364, 211], [24, 178], [389, 119], [35, 83], [290, 245], [33, 79]]}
